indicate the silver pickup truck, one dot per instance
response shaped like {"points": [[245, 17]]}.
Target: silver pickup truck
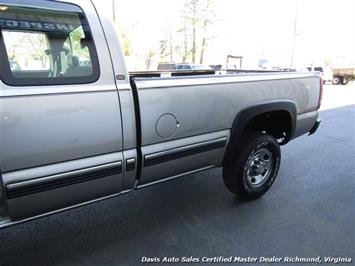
{"points": [[76, 127]]}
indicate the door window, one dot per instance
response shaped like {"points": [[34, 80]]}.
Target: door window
{"points": [[46, 47]]}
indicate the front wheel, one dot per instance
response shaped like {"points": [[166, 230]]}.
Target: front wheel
{"points": [[253, 170], [336, 80]]}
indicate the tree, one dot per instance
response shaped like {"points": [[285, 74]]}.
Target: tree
{"points": [[183, 48], [194, 20], [164, 51], [36, 44], [166, 45], [199, 15], [149, 59], [208, 16], [127, 45], [191, 15]]}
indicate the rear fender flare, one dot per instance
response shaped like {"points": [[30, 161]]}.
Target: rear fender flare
{"points": [[245, 115]]}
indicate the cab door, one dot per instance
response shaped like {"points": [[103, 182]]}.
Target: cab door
{"points": [[60, 120]]}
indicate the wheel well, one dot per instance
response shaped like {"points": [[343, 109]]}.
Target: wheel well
{"points": [[276, 123], [276, 118]]}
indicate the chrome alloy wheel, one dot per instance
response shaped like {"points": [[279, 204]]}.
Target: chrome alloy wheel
{"points": [[259, 167]]}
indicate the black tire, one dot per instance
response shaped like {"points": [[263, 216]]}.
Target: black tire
{"points": [[238, 174], [345, 80], [336, 80]]}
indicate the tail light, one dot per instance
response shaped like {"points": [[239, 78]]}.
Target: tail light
{"points": [[320, 93]]}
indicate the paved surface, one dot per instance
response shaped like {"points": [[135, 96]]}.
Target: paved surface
{"points": [[308, 212]]}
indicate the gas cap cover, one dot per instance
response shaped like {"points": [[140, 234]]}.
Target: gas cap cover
{"points": [[167, 125]]}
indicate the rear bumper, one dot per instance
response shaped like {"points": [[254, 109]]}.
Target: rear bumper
{"points": [[315, 127]]}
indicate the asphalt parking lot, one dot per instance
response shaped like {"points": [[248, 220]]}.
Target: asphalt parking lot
{"points": [[308, 212]]}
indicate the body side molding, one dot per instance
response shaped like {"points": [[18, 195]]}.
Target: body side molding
{"points": [[18, 189], [176, 153]]}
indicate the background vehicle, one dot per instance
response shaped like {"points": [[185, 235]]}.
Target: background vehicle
{"points": [[224, 67], [286, 69], [182, 66], [229, 66], [326, 73], [190, 67], [76, 133], [343, 75], [166, 66]]}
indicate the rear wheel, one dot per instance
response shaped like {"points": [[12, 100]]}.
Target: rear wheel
{"points": [[253, 170], [345, 80]]}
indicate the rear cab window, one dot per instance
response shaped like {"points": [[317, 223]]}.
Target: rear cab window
{"points": [[46, 47]]}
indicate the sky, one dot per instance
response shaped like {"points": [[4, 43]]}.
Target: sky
{"points": [[255, 29]]}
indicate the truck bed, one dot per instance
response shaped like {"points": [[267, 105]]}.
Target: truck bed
{"points": [[344, 72]]}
